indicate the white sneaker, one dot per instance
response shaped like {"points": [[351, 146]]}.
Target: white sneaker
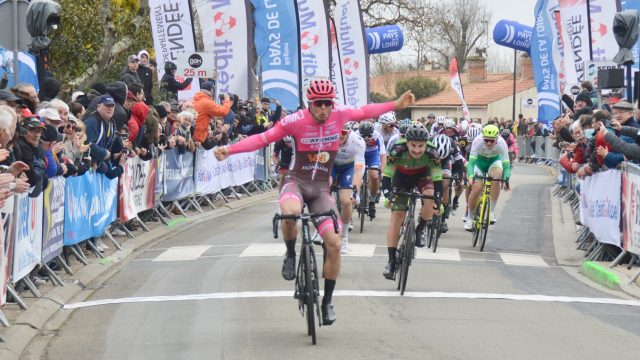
{"points": [[344, 248], [468, 225], [118, 232], [101, 244], [492, 220]]}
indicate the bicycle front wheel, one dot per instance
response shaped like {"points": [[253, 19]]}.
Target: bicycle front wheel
{"points": [[364, 198], [476, 223], [309, 294], [409, 241], [485, 224], [436, 223]]}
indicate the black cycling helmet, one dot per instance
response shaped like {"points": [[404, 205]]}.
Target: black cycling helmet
{"points": [[505, 133], [170, 66], [366, 129], [417, 132]]}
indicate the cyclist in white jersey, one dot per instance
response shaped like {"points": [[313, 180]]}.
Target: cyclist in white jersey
{"points": [[348, 169], [375, 157], [386, 126], [438, 126]]}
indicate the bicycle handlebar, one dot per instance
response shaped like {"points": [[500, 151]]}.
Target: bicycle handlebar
{"points": [[416, 195], [304, 217], [488, 178]]}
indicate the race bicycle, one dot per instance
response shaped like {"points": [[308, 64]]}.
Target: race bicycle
{"points": [[482, 212], [363, 206], [307, 288]]}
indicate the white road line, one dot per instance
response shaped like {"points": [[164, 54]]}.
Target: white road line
{"points": [[182, 253], [264, 249], [445, 254], [523, 260], [359, 293], [361, 250]]}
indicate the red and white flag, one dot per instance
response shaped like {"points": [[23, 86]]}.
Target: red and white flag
{"points": [[456, 85]]}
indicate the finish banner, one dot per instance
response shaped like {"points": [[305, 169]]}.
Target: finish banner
{"points": [[336, 65], [276, 41], [90, 206], [354, 56], [600, 205], [545, 71], [6, 247], [178, 175], [575, 22], [172, 31], [27, 250], [456, 85], [136, 188], [53, 219], [631, 207], [603, 43], [225, 32], [315, 48]]}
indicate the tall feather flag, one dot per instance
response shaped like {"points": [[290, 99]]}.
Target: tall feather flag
{"points": [[456, 85]]}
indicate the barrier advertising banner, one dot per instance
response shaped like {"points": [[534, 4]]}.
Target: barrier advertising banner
{"points": [[603, 46], [6, 247], [277, 44], [137, 188], [315, 47], [353, 52], [226, 33], [336, 65], [600, 205], [242, 168], [27, 250], [172, 31], [261, 164], [575, 22], [631, 208], [53, 219], [178, 175], [213, 175], [545, 72], [90, 206]]}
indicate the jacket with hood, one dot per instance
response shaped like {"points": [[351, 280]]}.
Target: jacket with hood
{"points": [[118, 91], [146, 79], [35, 158], [207, 109], [139, 113], [49, 89], [129, 77], [169, 84]]}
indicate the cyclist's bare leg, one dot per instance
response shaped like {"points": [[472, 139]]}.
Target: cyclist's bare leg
{"points": [[427, 210], [332, 244], [346, 204], [281, 176], [496, 173], [393, 231], [290, 206], [445, 197], [373, 177], [476, 189]]}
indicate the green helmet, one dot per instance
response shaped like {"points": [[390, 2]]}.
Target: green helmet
{"points": [[490, 131]]}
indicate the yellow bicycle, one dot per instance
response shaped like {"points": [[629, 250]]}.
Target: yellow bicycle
{"points": [[483, 211]]}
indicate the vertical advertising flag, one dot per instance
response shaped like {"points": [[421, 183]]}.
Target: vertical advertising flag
{"points": [[632, 5], [575, 22], [6, 246], [53, 219], [603, 43], [354, 56], [544, 70], [225, 33], [315, 49], [559, 51], [172, 31], [456, 85], [336, 65], [277, 44]]}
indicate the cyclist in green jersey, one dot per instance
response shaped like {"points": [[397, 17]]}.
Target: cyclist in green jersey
{"points": [[411, 164]]}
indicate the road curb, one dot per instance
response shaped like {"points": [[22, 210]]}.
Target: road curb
{"points": [[17, 337], [600, 275]]}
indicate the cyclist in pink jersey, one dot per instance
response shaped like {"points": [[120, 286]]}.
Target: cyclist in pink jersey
{"points": [[316, 132]]}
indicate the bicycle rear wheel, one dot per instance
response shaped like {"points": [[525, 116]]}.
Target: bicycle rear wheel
{"points": [[309, 295], [485, 224], [364, 199], [409, 240]]}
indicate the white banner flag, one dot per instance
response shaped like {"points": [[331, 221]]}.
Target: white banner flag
{"points": [[27, 250], [604, 46], [576, 38], [336, 66], [225, 32], [600, 205], [315, 49], [354, 55], [172, 31], [456, 85]]}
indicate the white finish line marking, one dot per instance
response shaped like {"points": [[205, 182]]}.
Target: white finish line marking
{"points": [[523, 260], [361, 250], [359, 293], [182, 253], [445, 254], [264, 249]]}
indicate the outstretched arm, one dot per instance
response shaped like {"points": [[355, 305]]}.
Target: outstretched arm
{"points": [[375, 110]]}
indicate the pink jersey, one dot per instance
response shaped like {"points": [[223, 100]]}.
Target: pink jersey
{"points": [[316, 145]]}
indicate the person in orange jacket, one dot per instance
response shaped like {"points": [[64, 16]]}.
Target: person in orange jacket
{"points": [[207, 109]]}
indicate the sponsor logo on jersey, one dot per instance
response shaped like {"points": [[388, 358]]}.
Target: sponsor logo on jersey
{"points": [[320, 140], [321, 158]]}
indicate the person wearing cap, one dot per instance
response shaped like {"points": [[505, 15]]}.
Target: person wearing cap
{"points": [[50, 116], [62, 108], [129, 74], [622, 112], [28, 151], [207, 109], [169, 84], [10, 99], [28, 94], [145, 73], [101, 129]]}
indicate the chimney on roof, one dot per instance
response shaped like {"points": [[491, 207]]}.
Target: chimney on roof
{"points": [[526, 68], [477, 68]]}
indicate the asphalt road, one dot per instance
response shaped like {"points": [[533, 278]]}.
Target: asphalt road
{"points": [[445, 315]]}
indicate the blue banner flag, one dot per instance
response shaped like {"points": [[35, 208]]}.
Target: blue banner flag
{"points": [[544, 69], [513, 35], [384, 39], [277, 43]]}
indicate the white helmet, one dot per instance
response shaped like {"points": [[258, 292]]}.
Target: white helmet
{"points": [[442, 143], [449, 124], [473, 133], [288, 138], [440, 120], [349, 125], [387, 118]]}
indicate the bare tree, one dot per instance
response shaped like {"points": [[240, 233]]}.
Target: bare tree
{"points": [[383, 12]]}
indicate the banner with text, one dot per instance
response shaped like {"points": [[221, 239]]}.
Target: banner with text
{"points": [[137, 188], [178, 175], [277, 44], [53, 219], [336, 65], [575, 22], [559, 51], [603, 42], [90, 206], [242, 168], [315, 46], [545, 71], [172, 31], [27, 250], [226, 33], [600, 205], [632, 5], [354, 56], [6, 246], [456, 85], [631, 208]]}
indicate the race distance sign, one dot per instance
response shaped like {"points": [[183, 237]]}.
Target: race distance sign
{"points": [[196, 65]]}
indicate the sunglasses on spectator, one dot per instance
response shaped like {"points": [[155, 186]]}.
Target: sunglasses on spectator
{"points": [[321, 103], [489, 141], [70, 126]]}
